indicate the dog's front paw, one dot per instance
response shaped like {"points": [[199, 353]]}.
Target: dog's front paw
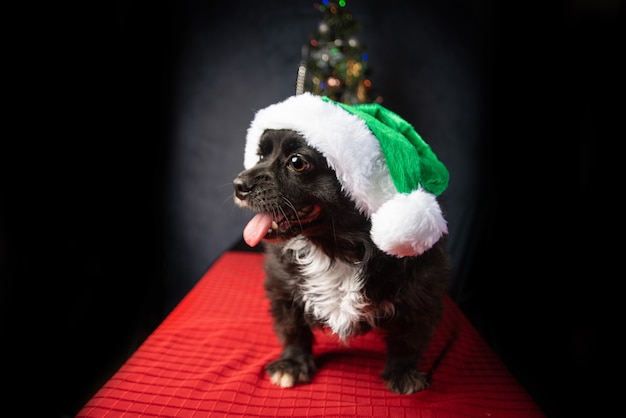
{"points": [[287, 372], [406, 382]]}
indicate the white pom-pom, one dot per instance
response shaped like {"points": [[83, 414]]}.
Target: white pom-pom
{"points": [[408, 224]]}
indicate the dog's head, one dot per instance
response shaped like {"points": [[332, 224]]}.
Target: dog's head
{"points": [[308, 158], [294, 191]]}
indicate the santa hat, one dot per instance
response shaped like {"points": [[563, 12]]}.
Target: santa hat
{"points": [[381, 162]]}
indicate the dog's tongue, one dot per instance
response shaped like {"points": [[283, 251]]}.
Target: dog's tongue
{"points": [[256, 229]]}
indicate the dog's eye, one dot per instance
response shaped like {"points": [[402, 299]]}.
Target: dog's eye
{"points": [[298, 164]]}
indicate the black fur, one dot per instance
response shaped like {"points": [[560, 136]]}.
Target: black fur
{"points": [[291, 175]]}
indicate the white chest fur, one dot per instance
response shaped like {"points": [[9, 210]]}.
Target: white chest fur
{"points": [[331, 290]]}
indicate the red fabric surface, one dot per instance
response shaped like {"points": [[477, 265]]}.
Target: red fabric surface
{"points": [[207, 357]]}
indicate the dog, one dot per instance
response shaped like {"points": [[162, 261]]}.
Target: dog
{"points": [[323, 269]]}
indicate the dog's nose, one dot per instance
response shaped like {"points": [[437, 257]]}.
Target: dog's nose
{"points": [[242, 188]]}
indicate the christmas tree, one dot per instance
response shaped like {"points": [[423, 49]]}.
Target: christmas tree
{"points": [[334, 62]]}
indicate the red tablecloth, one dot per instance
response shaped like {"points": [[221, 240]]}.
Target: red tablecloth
{"points": [[207, 357]]}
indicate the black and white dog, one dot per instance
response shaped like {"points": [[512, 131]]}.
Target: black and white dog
{"points": [[323, 268]]}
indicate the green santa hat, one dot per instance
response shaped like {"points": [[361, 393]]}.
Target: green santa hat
{"points": [[381, 162]]}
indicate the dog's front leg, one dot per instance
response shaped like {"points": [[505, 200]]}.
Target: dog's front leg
{"points": [[296, 364], [404, 350]]}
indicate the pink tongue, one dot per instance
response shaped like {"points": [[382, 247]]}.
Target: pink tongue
{"points": [[256, 229]]}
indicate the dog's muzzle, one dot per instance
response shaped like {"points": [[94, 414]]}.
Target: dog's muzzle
{"points": [[274, 221]]}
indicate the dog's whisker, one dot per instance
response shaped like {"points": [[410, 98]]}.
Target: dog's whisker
{"points": [[275, 211], [224, 185], [227, 200], [291, 205], [295, 211], [284, 215]]}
